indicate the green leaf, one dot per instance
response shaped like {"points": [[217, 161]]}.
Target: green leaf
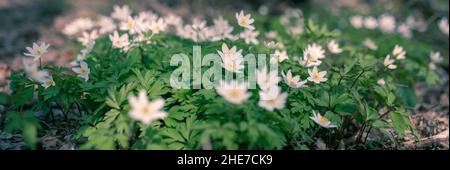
{"points": [[380, 124], [346, 109], [333, 118], [111, 101], [173, 134], [30, 135], [50, 92], [3, 98], [371, 113], [401, 122], [407, 95], [390, 99], [323, 99], [13, 122], [122, 140], [23, 96], [157, 89]]}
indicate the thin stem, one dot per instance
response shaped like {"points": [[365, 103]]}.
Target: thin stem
{"points": [[40, 62], [109, 50], [340, 79], [329, 100], [78, 108], [367, 135], [360, 133], [359, 76], [343, 126]]}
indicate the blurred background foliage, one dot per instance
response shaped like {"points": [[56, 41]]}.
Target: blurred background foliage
{"points": [[27, 21]]}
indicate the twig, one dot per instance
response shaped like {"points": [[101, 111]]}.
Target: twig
{"points": [[367, 135]]}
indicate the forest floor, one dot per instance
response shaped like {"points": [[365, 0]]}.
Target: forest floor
{"points": [[431, 115]]}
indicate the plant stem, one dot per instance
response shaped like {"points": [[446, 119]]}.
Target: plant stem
{"points": [[359, 76], [78, 107], [367, 135], [40, 62], [360, 132], [340, 79]]}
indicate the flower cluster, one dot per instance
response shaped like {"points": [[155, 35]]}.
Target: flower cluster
{"points": [[435, 58], [314, 77], [398, 53], [35, 72], [388, 24], [126, 30]]}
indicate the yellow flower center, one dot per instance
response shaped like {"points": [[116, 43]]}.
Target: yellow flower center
{"points": [[291, 81], [157, 27], [396, 54], [228, 53], [243, 22], [144, 110], [323, 121], [271, 101], [83, 70], [235, 94], [130, 24], [49, 82], [316, 77]]}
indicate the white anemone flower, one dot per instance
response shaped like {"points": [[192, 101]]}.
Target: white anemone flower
{"points": [[266, 79], [370, 44], [316, 76], [158, 26], [245, 20], [293, 81], [106, 25], [334, 48], [144, 110], [83, 70], [399, 53], [387, 24], [281, 55], [272, 98], [37, 50], [121, 12], [131, 25], [389, 63], [443, 26], [370, 23], [222, 30], [48, 82], [322, 121], [32, 71], [229, 53], [271, 44], [88, 37], [233, 91], [436, 57], [381, 82], [357, 21], [405, 30], [312, 55], [250, 36], [121, 42], [234, 65]]}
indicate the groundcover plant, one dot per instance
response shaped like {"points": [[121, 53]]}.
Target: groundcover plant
{"points": [[241, 80]]}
